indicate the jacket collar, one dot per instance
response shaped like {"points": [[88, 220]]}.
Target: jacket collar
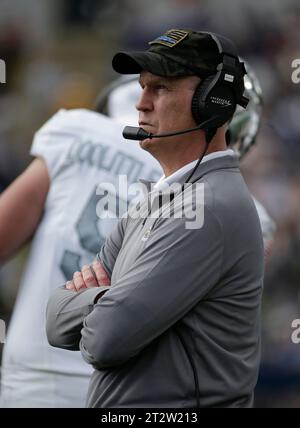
{"points": [[224, 162]]}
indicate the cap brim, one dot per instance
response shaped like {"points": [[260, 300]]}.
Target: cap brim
{"points": [[135, 62]]}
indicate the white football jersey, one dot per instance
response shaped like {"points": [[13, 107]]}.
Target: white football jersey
{"points": [[82, 150]]}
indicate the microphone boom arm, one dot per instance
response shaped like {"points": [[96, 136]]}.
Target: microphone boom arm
{"points": [[139, 134]]}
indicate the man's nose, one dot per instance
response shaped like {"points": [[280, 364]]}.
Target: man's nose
{"points": [[144, 103]]}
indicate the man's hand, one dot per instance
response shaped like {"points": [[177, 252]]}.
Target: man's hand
{"points": [[89, 277]]}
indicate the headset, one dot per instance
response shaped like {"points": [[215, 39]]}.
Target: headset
{"points": [[220, 93]]}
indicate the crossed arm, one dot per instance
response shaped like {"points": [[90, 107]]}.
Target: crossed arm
{"points": [[69, 305], [112, 324]]}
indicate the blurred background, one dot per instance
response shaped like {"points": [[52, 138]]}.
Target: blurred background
{"points": [[58, 55]]}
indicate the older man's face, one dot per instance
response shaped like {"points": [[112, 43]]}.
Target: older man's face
{"points": [[165, 106]]}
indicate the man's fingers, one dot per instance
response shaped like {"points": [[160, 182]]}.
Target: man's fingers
{"points": [[102, 277], [70, 286], [78, 281], [88, 277]]}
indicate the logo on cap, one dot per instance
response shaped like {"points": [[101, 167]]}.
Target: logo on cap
{"points": [[171, 38]]}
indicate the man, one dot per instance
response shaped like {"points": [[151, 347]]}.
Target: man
{"points": [[55, 200], [179, 326]]}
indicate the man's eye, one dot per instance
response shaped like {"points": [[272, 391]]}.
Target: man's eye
{"points": [[159, 87]]}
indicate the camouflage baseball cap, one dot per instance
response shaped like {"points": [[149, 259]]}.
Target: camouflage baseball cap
{"points": [[176, 53]]}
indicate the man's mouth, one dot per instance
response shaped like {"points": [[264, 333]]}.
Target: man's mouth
{"points": [[142, 124]]}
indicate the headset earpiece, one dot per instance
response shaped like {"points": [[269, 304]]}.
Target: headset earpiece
{"points": [[199, 97], [218, 94], [211, 99]]}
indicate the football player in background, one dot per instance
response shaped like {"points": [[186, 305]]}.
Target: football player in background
{"points": [[75, 152]]}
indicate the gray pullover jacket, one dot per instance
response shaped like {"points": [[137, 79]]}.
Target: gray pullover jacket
{"points": [[180, 324]]}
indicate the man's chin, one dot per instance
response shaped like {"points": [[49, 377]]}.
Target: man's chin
{"points": [[145, 144]]}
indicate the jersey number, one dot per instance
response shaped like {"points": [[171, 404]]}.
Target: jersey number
{"points": [[90, 237]]}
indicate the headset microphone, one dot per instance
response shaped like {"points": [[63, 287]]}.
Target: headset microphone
{"points": [[134, 133], [139, 134]]}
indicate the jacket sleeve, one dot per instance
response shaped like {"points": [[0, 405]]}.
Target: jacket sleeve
{"points": [[65, 313], [66, 309], [110, 250], [174, 271]]}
